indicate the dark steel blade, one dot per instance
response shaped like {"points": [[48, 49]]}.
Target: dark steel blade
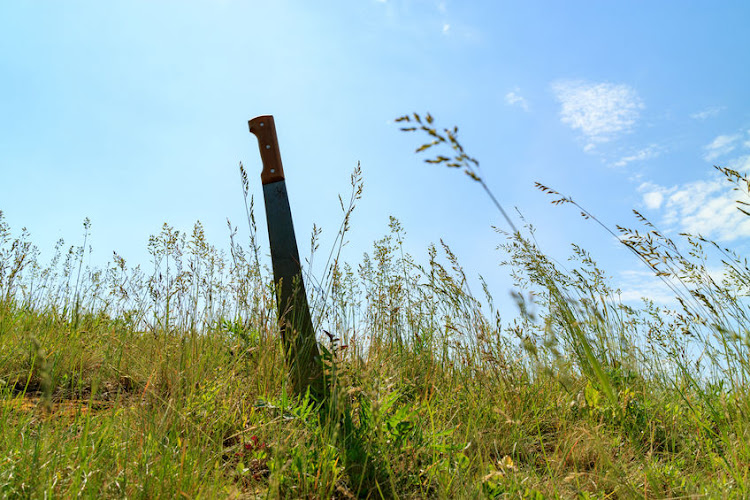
{"points": [[290, 287]]}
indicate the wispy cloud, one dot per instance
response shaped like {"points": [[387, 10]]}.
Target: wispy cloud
{"points": [[709, 112], [428, 17], [514, 98], [634, 285], [705, 207], [641, 155], [653, 199], [600, 111], [722, 145], [653, 194]]}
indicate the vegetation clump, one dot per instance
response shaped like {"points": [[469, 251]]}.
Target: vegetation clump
{"points": [[170, 381]]}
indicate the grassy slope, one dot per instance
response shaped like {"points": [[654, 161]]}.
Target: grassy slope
{"points": [[171, 383], [443, 404]]}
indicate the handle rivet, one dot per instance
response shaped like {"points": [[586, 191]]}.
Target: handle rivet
{"points": [[268, 146], [273, 170]]}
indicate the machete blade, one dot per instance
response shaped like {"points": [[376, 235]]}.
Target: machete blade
{"points": [[297, 332]]}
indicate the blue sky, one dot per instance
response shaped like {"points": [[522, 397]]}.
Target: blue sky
{"points": [[135, 113]]}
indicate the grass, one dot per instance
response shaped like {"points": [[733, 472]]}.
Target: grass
{"points": [[170, 381]]}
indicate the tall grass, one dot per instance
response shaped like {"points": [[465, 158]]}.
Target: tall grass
{"points": [[169, 380]]}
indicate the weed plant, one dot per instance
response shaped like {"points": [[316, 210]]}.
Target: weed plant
{"points": [[169, 381]]}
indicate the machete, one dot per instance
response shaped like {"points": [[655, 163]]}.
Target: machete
{"points": [[297, 332]]}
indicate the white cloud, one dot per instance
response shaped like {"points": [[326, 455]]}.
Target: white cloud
{"points": [[600, 111], [643, 154], [741, 164], [654, 195], [446, 28], [636, 285], [709, 112], [722, 145], [653, 199], [705, 207], [514, 98]]}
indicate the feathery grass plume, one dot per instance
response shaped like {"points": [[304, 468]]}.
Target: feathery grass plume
{"points": [[459, 158], [569, 319], [536, 260], [706, 339]]}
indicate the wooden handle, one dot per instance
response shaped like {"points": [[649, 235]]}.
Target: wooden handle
{"points": [[265, 130]]}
